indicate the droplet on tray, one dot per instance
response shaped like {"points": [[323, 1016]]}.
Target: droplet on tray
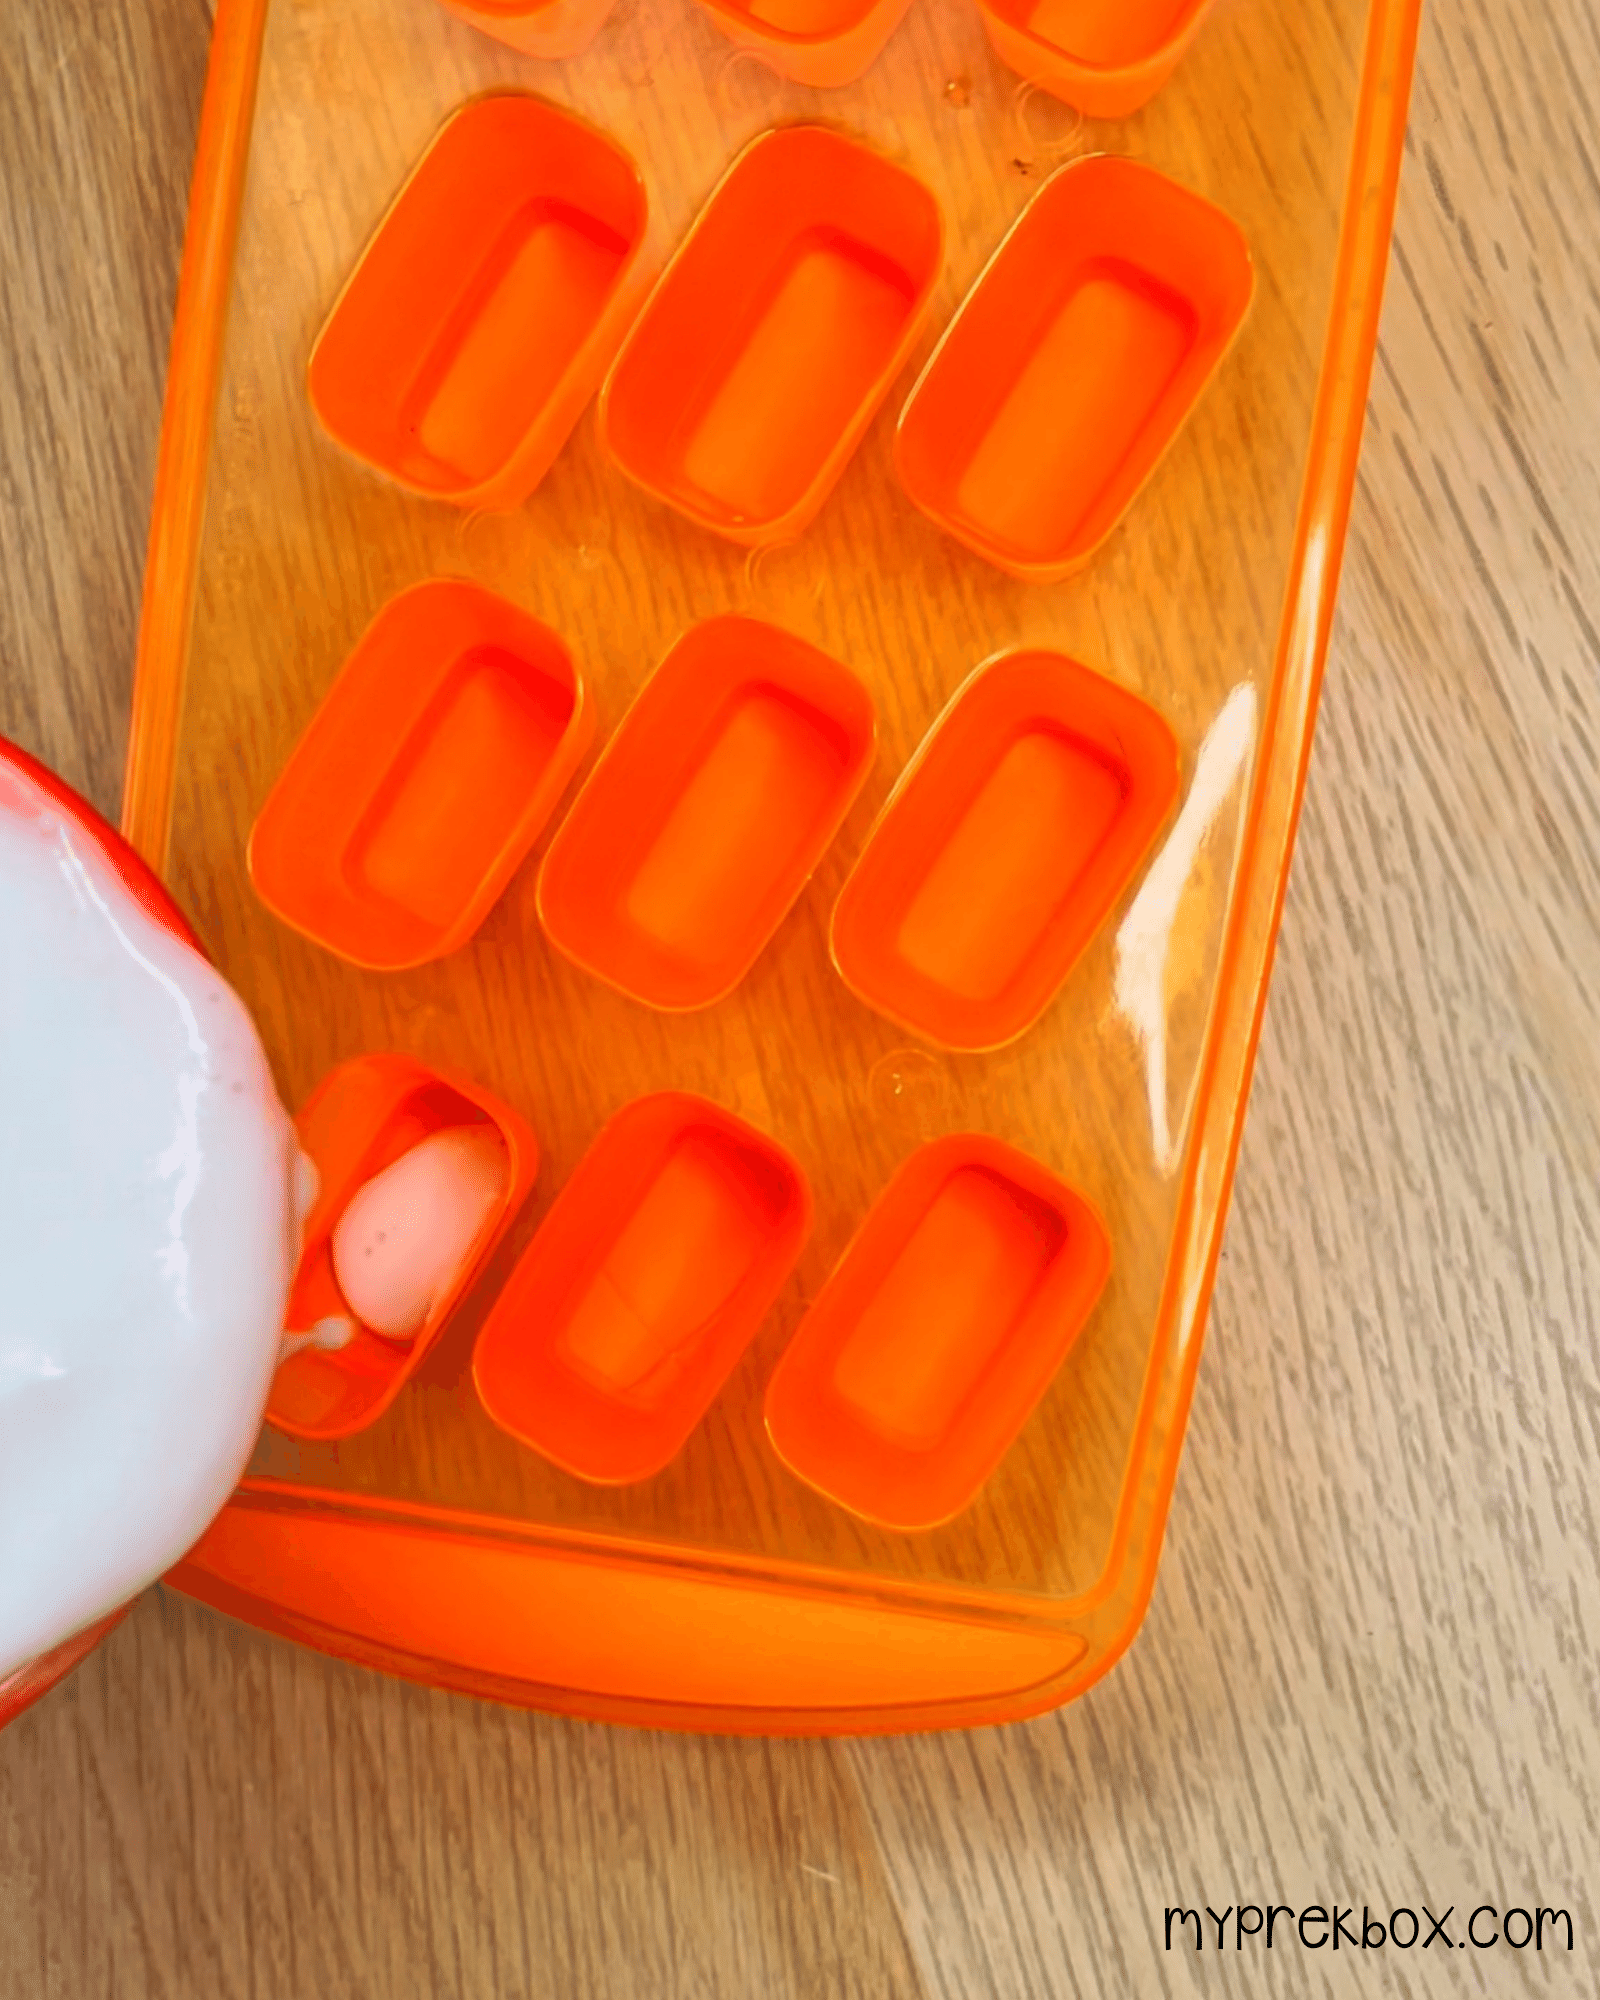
{"points": [[910, 1088]]}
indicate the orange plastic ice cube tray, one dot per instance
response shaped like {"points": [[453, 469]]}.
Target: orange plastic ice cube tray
{"points": [[423, 779], [774, 334], [1011, 833], [479, 319], [841, 439], [1108, 57], [356, 1122], [715, 800], [553, 29], [644, 1285], [821, 42], [1072, 364], [938, 1332]]}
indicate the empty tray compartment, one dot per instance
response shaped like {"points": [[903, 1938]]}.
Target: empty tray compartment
{"points": [[823, 43], [1003, 847], [550, 29], [1071, 365], [360, 1119], [483, 312], [939, 1330], [1107, 57], [434, 761], [707, 813], [774, 333], [644, 1285]]}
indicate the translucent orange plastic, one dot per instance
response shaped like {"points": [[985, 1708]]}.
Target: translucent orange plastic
{"points": [[1107, 57], [824, 43], [354, 1124], [1009, 836], [646, 1282], [708, 813], [725, 1590], [423, 779], [23, 1686], [555, 30], [774, 334], [482, 314], [942, 1326], [1071, 364]]}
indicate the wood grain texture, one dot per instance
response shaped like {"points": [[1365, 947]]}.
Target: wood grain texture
{"points": [[1369, 1670], [97, 121]]}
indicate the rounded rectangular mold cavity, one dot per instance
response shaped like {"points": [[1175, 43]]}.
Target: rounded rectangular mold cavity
{"points": [[940, 1328], [1106, 57], [774, 333], [1072, 364], [821, 43], [422, 780], [357, 1121], [553, 30], [1002, 848], [645, 1283], [480, 317], [707, 813]]}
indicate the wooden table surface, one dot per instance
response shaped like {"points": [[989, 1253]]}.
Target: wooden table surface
{"points": [[1369, 1674]]}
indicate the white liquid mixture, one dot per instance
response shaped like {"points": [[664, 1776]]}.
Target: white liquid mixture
{"points": [[150, 1211]]}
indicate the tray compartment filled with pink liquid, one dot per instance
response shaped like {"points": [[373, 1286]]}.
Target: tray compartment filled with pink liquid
{"points": [[730, 649]]}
